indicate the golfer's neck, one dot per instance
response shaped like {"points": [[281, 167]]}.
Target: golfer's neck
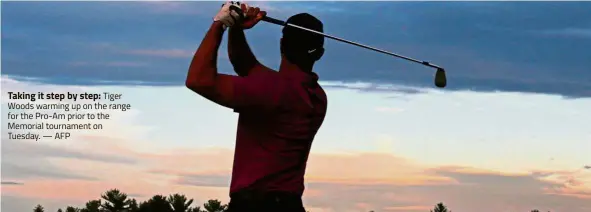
{"points": [[286, 65]]}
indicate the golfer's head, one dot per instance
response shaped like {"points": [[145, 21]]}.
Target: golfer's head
{"points": [[301, 46]]}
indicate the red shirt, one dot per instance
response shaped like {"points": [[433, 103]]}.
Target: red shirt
{"points": [[282, 113]]}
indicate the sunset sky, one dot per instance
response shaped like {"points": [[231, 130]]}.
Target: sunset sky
{"points": [[511, 133]]}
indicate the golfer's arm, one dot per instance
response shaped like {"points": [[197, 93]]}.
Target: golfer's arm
{"points": [[203, 77], [240, 54]]}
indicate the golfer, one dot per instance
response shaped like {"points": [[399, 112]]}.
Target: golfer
{"points": [[279, 111]]}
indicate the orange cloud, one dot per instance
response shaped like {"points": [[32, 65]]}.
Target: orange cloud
{"points": [[335, 182], [73, 190], [409, 208]]}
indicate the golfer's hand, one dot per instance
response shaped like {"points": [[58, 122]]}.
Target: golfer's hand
{"points": [[252, 16], [229, 14]]}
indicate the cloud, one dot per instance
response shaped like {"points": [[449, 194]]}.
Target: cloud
{"points": [[157, 150], [462, 188], [152, 52], [374, 87], [162, 53], [16, 148], [110, 64], [469, 194], [209, 8], [291, 8], [171, 53], [11, 183], [207, 180], [380, 188], [174, 8], [408, 208], [156, 33], [568, 32], [44, 171]]}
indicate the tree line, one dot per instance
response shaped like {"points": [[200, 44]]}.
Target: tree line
{"points": [[116, 201]]}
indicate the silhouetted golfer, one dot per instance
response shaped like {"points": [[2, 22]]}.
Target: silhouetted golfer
{"points": [[279, 111]]}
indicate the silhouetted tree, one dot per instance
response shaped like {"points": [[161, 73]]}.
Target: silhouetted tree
{"points": [[214, 205], [440, 207], [38, 208], [72, 209], [195, 209], [133, 206], [180, 203], [158, 203], [144, 207], [115, 201], [92, 206]]}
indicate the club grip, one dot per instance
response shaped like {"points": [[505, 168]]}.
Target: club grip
{"points": [[237, 10], [274, 21]]}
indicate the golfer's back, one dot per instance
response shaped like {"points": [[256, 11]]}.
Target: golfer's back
{"points": [[272, 146]]}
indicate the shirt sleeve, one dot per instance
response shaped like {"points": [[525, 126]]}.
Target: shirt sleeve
{"points": [[255, 93]]}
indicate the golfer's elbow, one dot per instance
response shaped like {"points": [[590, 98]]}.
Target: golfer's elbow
{"points": [[198, 81], [191, 84], [199, 86]]}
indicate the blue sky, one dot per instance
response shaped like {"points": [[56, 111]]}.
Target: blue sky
{"points": [[511, 130], [511, 46]]}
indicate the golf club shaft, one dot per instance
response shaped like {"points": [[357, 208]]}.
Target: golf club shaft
{"points": [[283, 23]]}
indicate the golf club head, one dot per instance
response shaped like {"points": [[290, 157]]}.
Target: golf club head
{"points": [[440, 78]]}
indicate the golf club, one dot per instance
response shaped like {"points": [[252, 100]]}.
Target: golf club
{"points": [[440, 78]]}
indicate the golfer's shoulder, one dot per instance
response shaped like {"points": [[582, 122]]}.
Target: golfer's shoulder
{"points": [[321, 94]]}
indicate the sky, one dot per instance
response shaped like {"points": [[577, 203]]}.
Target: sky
{"points": [[511, 132]]}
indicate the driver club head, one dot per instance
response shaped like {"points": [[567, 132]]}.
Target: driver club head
{"points": [[440, 79]]}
